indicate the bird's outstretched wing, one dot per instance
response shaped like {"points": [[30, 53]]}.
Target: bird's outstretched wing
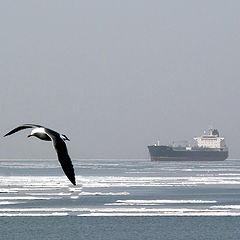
{"points": [[60, 147], [24, 126], [62, 154]]}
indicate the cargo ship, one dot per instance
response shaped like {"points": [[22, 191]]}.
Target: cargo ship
{"points": [[209, 147]]}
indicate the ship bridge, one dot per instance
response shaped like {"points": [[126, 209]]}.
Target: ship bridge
{"points": [[211, 140]]}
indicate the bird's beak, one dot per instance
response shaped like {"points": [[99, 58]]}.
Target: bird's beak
{"points": [[66, 138], [29, 135]]}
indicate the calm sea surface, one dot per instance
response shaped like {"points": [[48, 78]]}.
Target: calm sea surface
{"points": [[120, 199]]}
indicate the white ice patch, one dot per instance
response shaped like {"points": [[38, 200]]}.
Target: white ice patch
{"points": [[112, 181], [103, 193], [9, 202], [143, 214], [49, 194], [76, 189], [4, 190], [226, 207], [32, 214], [116, 212], [74, 197], [24, 198], [158, 212], [159, 202]]}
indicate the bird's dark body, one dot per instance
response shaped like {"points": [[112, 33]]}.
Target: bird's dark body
{"points": [[47, 134]]}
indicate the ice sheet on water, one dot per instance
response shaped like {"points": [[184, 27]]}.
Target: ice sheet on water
{"points": [[32, 214], [10, 202], [236, 207], [103, 193], [133, 189], [159, 202], [115, 212], [24, 198]]}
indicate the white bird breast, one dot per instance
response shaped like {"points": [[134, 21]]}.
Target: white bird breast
{"points": [[38, 130]]}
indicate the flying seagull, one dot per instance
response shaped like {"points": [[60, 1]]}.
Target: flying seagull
{"points": [[58, 143]]}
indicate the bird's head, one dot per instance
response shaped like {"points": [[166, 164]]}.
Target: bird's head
{"points": [[64, 137]]}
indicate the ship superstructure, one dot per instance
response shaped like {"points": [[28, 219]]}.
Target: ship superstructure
{"points": [[209, 147], [211, 140]]}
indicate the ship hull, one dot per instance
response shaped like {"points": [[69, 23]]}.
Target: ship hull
{"points": [[165, 153], [180, 159]]}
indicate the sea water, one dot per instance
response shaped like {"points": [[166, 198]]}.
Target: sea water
{"points": [[120, 199]]}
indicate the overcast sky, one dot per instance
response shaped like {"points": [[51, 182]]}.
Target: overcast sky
{"points": [[116, 76]]}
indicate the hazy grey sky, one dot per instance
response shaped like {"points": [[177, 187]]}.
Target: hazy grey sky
{"points": [[115, 76]]}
